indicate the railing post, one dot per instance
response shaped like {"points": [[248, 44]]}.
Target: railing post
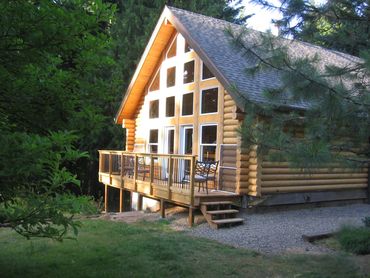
{"points": [[170, 174], [136, 164], [122, 169], [191, 207], [110, 168], [192, 174], [151, 174]]}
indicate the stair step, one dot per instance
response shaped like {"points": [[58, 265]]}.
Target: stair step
{"points": [[216, 203], [226, 211], [228, 221]]}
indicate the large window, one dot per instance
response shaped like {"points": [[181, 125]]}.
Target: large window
{"points": [[170, 106], [187, 104], [153, 141], [208, 142], [206, 73], [188, 72], [172, 51], [155, 84], [171, 77], [209, 101], [187, 47], [154, 109]]}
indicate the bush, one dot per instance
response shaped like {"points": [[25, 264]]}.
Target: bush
{"points": [[355, 239], [366, 221]]}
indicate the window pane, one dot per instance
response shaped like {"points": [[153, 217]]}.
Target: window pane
{"points": [[208, 153], [189, 72], [153, 136], [171, 141], [154, 109], [206, 73], [187, 104], [188, 141], [172, 51], [171, 77], [209, 101], [170, 106], [153, 148], [209, 134], [187, 47], [155, 84]]}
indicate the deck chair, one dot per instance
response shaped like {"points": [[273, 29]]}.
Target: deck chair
{"points": [[213, 166], [200, 174]]}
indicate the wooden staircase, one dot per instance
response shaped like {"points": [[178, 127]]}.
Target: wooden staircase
{"points": [[220, 214]]}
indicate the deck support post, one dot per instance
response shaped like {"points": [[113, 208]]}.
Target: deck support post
{"points": [[140, 202], [105, 198], [163, 209], [120, 200], [191, 217]]}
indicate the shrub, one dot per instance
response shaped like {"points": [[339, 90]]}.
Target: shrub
{"points": [[355, 239], [366, 221]]}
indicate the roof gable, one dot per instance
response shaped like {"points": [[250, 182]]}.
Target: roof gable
{"points": [[208, 37]]}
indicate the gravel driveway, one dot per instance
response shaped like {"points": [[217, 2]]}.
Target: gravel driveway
{"points": [[281, 231]]}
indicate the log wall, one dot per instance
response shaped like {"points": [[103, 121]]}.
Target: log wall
{"points": [[278, 177]]}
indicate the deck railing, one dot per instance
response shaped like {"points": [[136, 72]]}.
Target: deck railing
{"points": [[162, 176]]}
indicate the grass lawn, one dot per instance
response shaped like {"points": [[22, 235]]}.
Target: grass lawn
{"points": [[112, 249]]}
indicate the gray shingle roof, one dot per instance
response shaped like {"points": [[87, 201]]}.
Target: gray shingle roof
{"points": [[214, 44]]}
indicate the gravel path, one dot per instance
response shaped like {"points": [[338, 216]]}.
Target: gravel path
{"points": [[281, 231]]}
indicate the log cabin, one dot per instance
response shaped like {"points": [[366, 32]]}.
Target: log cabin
{"points": [[179, 109]]}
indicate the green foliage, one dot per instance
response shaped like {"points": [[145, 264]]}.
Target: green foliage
{"points": [[366, 221], [335, 125], [355, 239], [34, 173]]}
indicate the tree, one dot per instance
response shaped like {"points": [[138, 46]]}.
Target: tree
{"points": [[335, 125], [58, 94]]}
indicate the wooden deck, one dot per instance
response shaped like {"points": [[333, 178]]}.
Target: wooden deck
{"points": [[157, 176]]}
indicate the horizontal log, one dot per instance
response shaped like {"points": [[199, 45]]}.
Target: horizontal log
{"points": [[229, 109], [231, 134], [310, 188], [252, 174], [311, 182], [242, 171], [230, 128], [230, 140], [230, 122], [228, 152], [253, 188], [243, 164], [312, 176], [300, 171], [252, 181], [253, 160]]}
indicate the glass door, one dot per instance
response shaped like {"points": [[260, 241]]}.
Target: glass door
{"points": [[186, 146]]}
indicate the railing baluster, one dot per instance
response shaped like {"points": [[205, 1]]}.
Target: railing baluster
{"points": [[151, 174], [122, 169], [170, 174], [192, 174], [110, 167], [136, 164]]}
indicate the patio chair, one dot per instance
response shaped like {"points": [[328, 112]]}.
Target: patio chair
{"points": [[200, 175], [129, 167], [213, 166]]}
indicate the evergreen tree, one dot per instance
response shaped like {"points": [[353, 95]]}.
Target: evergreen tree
{"points": [[335, 126]]}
